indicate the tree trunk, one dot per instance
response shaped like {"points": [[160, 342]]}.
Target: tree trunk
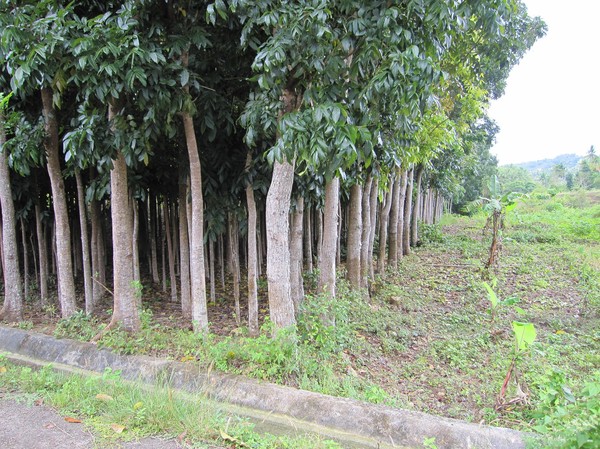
{"points": [[171, 253], [85, 246], [319, 231], [212, 256], [281, 307], [374, 208], [234, 251], [43, 254], [252, 260], [65, 279], [136, 247], [125, 310], [353, 249], [383, 227], [184, 252], [414, 230], [308, 240], [152, 219], [97, 258], [296, 254], [25, 261], [407, 214], [199, 309], [401, 211], [12, 309], [327, 279], [394, 217], [366, 233]]}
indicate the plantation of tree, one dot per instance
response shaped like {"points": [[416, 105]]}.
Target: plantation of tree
{"points": [[256, 151]]}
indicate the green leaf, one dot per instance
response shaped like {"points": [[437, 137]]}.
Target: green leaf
{"points": [[524, 334], [184, 77], [491, 295]]}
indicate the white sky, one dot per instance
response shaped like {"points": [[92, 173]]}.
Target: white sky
{"points": [[551, 105]]}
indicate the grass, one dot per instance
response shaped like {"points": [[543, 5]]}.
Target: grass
{"points": [[425, 340], [123, 411]]}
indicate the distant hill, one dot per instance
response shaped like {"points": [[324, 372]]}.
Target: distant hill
{"points": [[570, 162]]}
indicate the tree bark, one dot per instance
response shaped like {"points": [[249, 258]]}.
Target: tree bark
{"points": [[125, 310], [184, 252], [152, 219], [43, 254], [383, 227], [407, 214], [281, 307], [296, 254], [234, 251], [171, 253], [414, 230], [353, 249], [308, 240], [25, 260], [252, 259], [85, 246], [327, 275], [97, 253], [12, 310], [401, 211], [197, 272], [373, 208], [394, 217], [66, 281], [366, 233]]}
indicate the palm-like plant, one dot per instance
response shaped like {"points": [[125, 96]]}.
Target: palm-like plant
{"points": [[496, 205]]}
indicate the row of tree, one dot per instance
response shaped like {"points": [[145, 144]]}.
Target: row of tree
{"points": [[170, 139]]}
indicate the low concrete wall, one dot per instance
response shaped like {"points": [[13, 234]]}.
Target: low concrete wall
{"points": [[275, 408]]}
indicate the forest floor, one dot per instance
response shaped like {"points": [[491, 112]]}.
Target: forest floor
{"points": [[428, 339]]}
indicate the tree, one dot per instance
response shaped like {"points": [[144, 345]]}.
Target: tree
{"points": [[12, 309]]}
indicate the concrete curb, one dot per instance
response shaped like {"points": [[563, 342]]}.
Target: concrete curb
{"points": [[274, 408]]}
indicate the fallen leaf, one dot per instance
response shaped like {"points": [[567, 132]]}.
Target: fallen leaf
{"points": [[226, 437], [560, 332], [104, 397], [49, 425], [187, 358], [182, 436], [2, 369], [138, 405], [72, 420], [38, 402], [117, 428]]}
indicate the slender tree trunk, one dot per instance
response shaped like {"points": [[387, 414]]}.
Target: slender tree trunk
{"points": [[234, 252], [353, 249], [308, 240], [327, 280], [163, 249], [319, 231], [137, 277], [212, 256], [338, 254], [296, 254], [221, 258], [373, 207], [85, 246], [25, 261], [12, 310], [152, 215], [184, 252], [43, 254], [97, 258], [125, 310], [414, 230], [383, 227], [407, 214], [199, 308], [401, 211], [252, 259], [366, 233], [66, 281], [393, 228], [171, 253]]}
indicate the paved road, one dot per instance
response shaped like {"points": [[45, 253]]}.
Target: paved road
{"points": [[25, 426]]}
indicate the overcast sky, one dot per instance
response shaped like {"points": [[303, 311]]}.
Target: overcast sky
{"points": [[551, 105]]}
